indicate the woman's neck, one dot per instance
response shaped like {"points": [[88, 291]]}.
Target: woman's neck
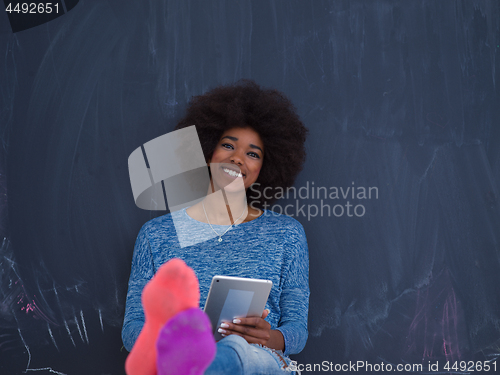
{"points": [[223, 208]]}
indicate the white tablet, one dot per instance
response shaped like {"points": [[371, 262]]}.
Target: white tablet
{"points": [[235, 297]]}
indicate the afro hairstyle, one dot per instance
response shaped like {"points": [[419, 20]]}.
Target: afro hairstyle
{"points": [[267, 111]]}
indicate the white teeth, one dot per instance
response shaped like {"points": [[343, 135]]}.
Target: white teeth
{"points": [[232, 173]]}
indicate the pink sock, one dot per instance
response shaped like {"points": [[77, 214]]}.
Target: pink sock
{"points": [[186, 344], [174, 288]]}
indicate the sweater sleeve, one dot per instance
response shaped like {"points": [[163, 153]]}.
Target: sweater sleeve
{"points": [[142, 271], [294, 302]]}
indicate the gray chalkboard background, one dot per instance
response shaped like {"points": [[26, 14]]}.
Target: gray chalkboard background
{"points": [[399, 96]]}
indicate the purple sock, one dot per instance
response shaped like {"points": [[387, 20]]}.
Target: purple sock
{"points": [[185, 344]]}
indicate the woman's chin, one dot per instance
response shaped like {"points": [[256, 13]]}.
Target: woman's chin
{"points": [[237, 186], [230, 184]]}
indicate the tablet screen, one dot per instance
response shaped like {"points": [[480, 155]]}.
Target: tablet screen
{"points": [[237, 304]]}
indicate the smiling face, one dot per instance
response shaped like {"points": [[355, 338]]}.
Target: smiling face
{"points": [[238, 150]]}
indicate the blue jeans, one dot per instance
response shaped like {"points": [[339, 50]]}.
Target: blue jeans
{"points": [[235, 356]]}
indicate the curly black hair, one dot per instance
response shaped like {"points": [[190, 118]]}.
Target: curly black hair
{"points": [[267, 111]]}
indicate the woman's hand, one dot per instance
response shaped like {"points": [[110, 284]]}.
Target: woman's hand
{"points": [[255, 331]]}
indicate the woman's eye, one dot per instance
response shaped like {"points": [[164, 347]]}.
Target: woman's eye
{"points": [[231, 147]]}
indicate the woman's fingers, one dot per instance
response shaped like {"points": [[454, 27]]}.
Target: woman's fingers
{"points": [[254, 330], [252, 322], [252, 338]]}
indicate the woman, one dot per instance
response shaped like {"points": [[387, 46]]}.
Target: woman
{"points": [[252, 139]]}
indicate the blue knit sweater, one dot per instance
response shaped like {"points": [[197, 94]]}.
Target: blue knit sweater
{"points": [[272, 247]]}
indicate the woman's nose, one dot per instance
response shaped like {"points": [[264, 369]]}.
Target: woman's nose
{"points": [[236, 158]]}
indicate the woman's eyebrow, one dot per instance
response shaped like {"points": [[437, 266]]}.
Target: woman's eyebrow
{"points": [[235, 139], [231, 138]]}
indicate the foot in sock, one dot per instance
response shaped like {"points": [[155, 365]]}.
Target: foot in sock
{"points": [[185, 344], [174, 288]]}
